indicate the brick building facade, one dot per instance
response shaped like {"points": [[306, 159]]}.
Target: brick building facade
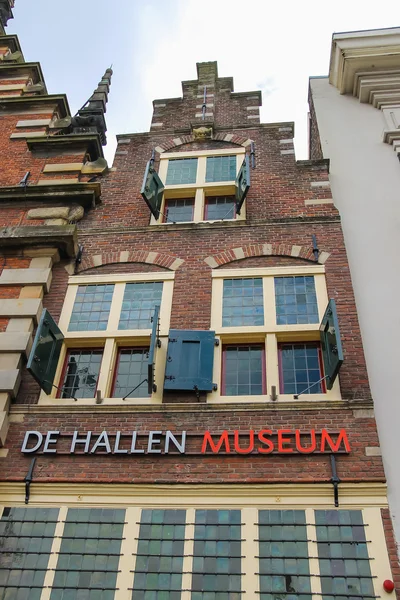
{"points": [[208, 449]]}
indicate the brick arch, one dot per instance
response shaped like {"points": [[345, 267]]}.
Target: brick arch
{"points": [[230, 255], [125, 256], [172, 143]]}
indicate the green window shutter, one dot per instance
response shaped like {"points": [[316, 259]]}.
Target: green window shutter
{"points": [[152, 189], [154, 344], [43, 359], [190, 360], [332, 352], [242, 183]]}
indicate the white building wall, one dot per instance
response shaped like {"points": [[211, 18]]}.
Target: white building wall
{"points": [[365, 181]]}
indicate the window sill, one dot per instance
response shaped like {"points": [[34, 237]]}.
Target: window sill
{"points": [[198, 225]]}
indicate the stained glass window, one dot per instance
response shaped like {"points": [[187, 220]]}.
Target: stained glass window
{"points": [[242, 302], [217, 555], [296, 300], [26, 540], [159, 559], [284, 565], [300, 367], [91, 308], [243, 370], [221, 168], [181, 170], [343, 555], [138, 304], [88, 560]]}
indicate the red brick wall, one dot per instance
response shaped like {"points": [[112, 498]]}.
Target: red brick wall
{"points": [[196, 468], [392, 550]]}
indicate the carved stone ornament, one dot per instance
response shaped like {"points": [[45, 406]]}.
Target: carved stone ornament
{"points": [[202, 133]]}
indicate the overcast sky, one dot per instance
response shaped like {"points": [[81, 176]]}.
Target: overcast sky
{"points": [[155, 44]]}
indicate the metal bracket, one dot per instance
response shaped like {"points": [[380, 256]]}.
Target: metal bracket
{"points": [[335, 480], [78, 258], [28, 480], [252, 155], [315, 247]]}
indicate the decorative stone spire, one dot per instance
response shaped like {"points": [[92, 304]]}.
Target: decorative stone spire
{"points": [[90, 118], [6, 7]]}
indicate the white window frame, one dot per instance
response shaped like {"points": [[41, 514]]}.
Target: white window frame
{"points": [[111, 339], [270, 334], [200, 189]]}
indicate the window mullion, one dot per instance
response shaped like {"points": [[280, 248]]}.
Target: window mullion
{"points": [[116, 306], [128, 551], [313, 552], [201, 170], [107, 368], [54, 554], [188, 552], [198, 213], [250, 583], [272, 363], [269, 303]]}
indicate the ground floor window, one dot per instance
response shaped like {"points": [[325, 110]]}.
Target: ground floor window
{"points": [[189, 553]]}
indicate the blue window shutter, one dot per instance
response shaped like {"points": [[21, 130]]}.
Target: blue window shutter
{"points": [[154, 344], [331, 344], [152, 189], [190, 359], [43, 359], [242, 183]]}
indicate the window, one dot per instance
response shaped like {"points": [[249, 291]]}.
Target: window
{"points": [[201, 187], [138, 304], [296, 302], [212, 552], [91, 308], [131, 373], [179, 211], [107, 325], [268, 325], [219, 208], [243, 302], [243, 370], [300, 368], [81, 373]]}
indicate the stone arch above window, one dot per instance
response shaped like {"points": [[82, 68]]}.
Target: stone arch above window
{"points": [[230, 255], [172, 143], [125, 256]]}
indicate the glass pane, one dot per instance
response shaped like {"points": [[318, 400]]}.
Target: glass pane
{"points": [[181, 170], [81, 373], [87, 564], [221, 168], [131, 373], [91, 308], [296, 300], [26, 540], [343, 564], [220, 207], [179, 211], [217, 562], [138, 304], [159, 560], [300, 368], [242, 302], [243, 370], [284, 566]]}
